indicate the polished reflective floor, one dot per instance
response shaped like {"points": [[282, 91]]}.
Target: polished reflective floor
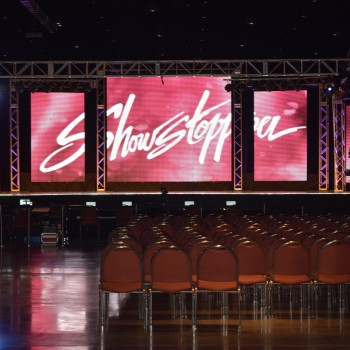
{"points": [[49, 300]]}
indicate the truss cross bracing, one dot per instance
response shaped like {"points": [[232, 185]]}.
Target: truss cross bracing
{"points": [[237, 69], [339, 145]]}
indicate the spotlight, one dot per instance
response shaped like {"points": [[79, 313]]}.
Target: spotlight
{"points": [[328, 90], [228, 87]]}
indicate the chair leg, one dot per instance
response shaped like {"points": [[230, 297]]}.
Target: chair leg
{"points": [[239, 309], [150, 305], [269, 299], [194, 308], [224, 305], [183, 309], [146, 306], [346, 297], [263, 299], [103, 307], [100, 308]]}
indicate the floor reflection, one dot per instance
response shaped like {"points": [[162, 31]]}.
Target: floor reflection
{"points": [[49, 300]]}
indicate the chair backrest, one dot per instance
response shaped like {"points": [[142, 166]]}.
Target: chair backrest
{"points": [[235, 241], [314, 250], [269, 239], [170, 270], [309, 240], [334, 263], [194, 252], [217, 269], [167, 228], [262, 236], [251, 261], [299, 236], [148, 255], [121, 269], [270, 251], [128, 240], [291, 263]]}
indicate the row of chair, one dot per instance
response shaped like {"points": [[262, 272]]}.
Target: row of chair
{"points": [[171, 273], [164, 266], [204, 243], [324, 241]]}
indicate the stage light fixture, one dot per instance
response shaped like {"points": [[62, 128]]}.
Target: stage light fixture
{"points": [[328, 90], [229, 87]]}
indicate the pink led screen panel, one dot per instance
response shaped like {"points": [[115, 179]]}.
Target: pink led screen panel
{"points": [[347, 143], [57, 137], [168, 129], [280, 136]]}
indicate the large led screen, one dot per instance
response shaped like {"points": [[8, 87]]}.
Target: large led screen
{"points": [[347, 143], [168, 129], [280, 136], [57, 137]]}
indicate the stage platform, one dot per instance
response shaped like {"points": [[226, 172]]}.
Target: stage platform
{"points": [[274, 202], [61, 210]]}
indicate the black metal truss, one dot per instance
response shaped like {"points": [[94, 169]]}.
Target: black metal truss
{"points": [[236, 69], [339, 145], [324, 108], [237, 131], [87, 75], [14, 139], [101, 135]]}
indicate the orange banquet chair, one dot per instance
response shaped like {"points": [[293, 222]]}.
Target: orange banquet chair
{"points": [[334, 272], [314, 250], [217, 273], [148, 254], [121, 272], [252, 270], [89, 217], [290, 273], [171, 274]]}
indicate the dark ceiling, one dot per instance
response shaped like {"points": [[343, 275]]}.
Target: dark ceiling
{"points": [[173, 29]]}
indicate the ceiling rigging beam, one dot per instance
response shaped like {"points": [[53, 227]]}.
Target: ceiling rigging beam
{"points": [[40, 15]]}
